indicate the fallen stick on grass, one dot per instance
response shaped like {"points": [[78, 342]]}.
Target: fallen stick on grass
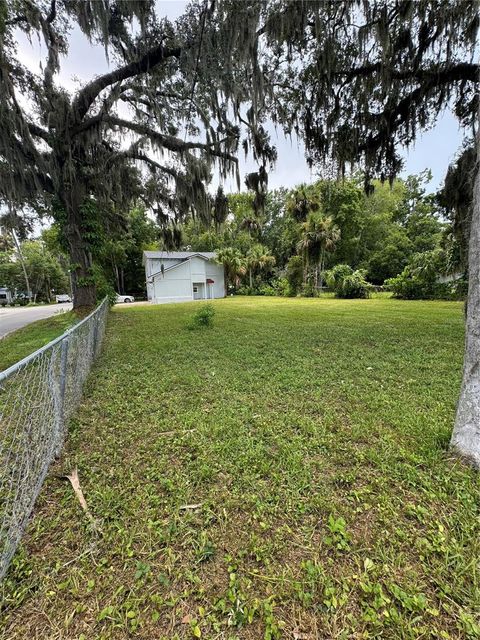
{"points": [[188, 507], [75, 482]]}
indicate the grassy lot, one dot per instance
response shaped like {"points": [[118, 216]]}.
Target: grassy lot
{"points": [[284, 474], [20, 343]]}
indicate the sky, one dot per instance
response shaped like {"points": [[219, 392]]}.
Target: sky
{"points": [[433, 150]]}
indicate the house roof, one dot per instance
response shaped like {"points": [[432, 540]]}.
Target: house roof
{"points": [[178, 255], [183, 256]]}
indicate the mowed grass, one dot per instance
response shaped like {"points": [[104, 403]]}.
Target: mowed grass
{"points": [[21, 343], [284, 474]]}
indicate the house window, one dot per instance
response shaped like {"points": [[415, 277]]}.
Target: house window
{"points": [[195, 289]]}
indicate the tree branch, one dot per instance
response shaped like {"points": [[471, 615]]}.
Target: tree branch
{"points": [[138, 155], [456, 72], [38, 132], [148, 61], [391, 119], [169, 142]]}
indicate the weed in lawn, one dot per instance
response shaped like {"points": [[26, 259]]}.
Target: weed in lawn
{"points": [[338, 537], [202, 318]]}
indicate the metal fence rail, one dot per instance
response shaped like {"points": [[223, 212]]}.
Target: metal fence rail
{"points": [[37, 397]]}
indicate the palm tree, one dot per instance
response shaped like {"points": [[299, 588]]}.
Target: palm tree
{"points": [[234, 264], [258, 259], [302, 201], [319, 236], [252, 225]]}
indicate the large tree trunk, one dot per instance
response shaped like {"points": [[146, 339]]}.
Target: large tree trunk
{"points": [[83, 284], [466, 433]]}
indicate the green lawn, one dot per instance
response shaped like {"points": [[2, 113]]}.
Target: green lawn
{"points": [[23, 342], [284, 474]]}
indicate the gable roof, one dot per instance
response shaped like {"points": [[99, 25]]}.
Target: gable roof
{"points": [[206, 255], [178, 255]]}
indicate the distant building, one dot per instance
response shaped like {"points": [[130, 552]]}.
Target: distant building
{"points": [[180, 276], [5, 296], [451, 277]]}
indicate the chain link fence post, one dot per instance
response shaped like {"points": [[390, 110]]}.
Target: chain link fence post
{"points": [[61, 392]]}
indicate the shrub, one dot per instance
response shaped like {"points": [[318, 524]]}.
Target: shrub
{"points": [[309, 290], [203, 317], [408, 286], [278, 287], [103, 286], [336, 275], [266, 290], [419, 279], [282, 287], [355, 286], [246, 290], [347, 283]]}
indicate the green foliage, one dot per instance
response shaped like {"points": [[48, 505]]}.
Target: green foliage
{"points": [[347, 283], [338, 536], [234, 264], [309, 290], [103, 287], [319, 235], [119, 253], [267, 290], [314, 227], [294, 274], [302, 202], [258, 261], [202, 318], [335, 277], [275, 287], [355, 286], [456, 199], [390, 256], [419, 279], [281, 286], [46, 274], [344, 202]]}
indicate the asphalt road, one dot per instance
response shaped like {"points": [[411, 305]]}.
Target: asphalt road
{"points": [[13, 318]]}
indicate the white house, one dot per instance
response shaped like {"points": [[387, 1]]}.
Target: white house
{"points": [[179, 276]]}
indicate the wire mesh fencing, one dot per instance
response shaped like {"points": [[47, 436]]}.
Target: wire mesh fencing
{"points": [[37, 397]]}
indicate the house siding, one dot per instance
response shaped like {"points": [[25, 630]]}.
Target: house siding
{"points": [[197, 267], [173, 286], [216, 273]]}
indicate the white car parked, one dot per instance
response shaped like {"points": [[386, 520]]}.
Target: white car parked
{"points": [[63, 297], [121, 298]]}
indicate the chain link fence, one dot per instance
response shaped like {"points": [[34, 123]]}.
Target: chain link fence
{"points": [[37, 397]]}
